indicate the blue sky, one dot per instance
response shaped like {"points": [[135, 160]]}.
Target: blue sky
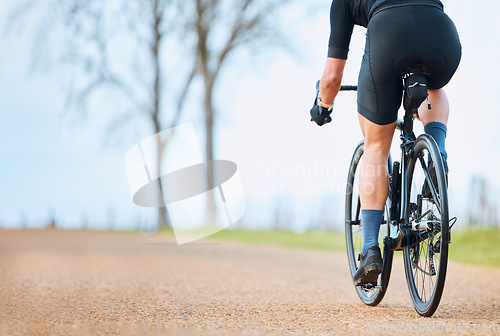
{"points": [[56, 164]]}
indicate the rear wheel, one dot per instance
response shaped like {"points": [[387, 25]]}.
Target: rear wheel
{"points": [[370, 295], [427, 235]]}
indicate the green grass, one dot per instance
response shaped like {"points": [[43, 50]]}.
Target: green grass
{"points": [[478, 246], [331, 241]]}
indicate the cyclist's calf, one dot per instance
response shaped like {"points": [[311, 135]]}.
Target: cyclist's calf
{"points": [[439, 108], [374, 182]]}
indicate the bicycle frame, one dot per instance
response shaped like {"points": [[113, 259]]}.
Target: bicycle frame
{"points": [[407, 140], [399, 183]]}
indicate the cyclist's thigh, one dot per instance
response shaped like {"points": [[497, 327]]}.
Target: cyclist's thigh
{"points": [[379, 85], [378, 101], [440, 45]]}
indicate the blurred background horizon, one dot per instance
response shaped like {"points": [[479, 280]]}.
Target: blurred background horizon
{"points": [[65, 163]]}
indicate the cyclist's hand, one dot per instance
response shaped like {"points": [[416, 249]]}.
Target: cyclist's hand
{"points": [[319, 114]]}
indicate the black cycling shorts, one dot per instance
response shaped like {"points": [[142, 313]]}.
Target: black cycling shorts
{"points": [[396, 39]]}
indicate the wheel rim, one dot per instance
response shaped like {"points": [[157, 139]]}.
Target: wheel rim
{"points": [[426, 260]]}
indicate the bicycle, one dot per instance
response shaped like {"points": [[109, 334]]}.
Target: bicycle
{"points": [[416, 217]]}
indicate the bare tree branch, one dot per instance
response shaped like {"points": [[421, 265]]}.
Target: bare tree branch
{"points": [[246, 23], [214, 28], [181, 99]]}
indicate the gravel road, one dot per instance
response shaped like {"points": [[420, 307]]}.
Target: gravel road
{"points": [[92, 283]]}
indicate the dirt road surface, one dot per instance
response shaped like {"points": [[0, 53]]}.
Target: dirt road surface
{"points": [[89, 283]]}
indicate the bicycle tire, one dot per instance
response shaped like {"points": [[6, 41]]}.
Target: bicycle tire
{"points": [[353, 234], [425, 253]]}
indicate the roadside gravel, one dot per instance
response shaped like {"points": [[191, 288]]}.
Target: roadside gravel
{"points": [[94, 283]]}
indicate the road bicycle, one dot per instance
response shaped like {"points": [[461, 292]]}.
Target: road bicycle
{"points": [[416, 219]]}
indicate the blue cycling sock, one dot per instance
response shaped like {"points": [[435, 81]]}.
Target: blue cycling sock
{"points": [[438, 131], [370, 225]]}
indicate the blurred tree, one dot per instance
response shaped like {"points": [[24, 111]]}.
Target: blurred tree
{"points": [[220, 28], [115, 49], [482, 203], [148, 52], [283, 213]]}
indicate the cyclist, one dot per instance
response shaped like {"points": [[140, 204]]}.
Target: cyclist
{"points": [[400, 34]]}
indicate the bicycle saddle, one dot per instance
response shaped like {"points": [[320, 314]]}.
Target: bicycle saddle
{"points": [[415, 88]]}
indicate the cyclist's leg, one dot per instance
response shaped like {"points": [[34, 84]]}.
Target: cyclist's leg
{"points": [[439, 111], [379, 98], [436, 118], [440, 50], [374, 182]]}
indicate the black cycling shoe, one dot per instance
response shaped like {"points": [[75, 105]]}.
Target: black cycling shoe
{"points": [[370, 266], [426, 191]]}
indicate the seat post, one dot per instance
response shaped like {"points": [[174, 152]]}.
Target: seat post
{"points": [[408, 120]]}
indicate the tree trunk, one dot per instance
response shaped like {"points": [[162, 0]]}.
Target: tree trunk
{"points": [[163, 219], [211, 210]]}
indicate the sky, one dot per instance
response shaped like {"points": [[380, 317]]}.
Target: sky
{"points": [[57, 166]]}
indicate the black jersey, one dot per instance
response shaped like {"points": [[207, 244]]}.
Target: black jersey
{"points": [[344, 14]]}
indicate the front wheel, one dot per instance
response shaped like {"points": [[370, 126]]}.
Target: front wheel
{"points": [[354, 237], [426, 226]]}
